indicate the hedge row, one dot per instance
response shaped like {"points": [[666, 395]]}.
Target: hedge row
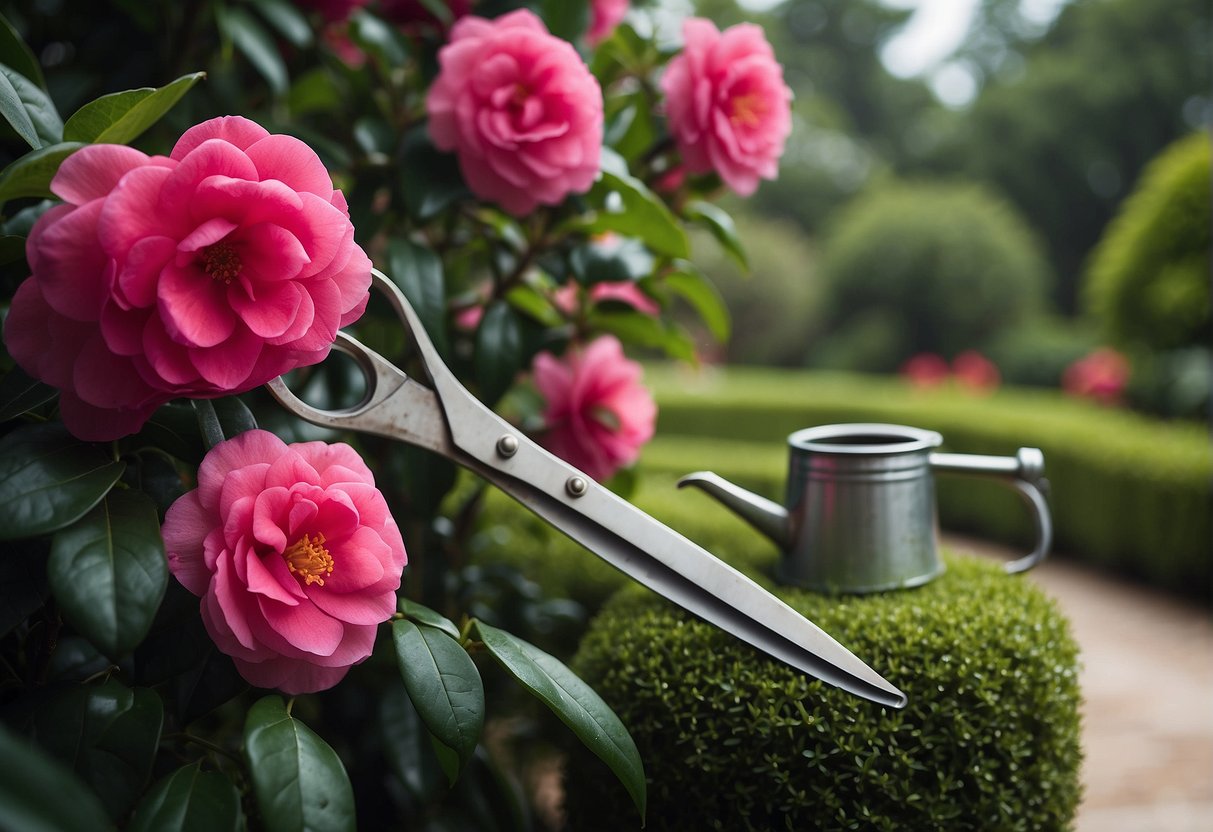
{"points": [[732, 740], [1127, 492]]}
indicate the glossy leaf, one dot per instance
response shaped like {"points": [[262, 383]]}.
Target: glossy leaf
{"points": [[298, 780], [628, 207], [444, 685], [108, 571], [566, 19], [424, 615], [250, 37], [49, 479], [288, 20], [108, 733], [498, 351], [645, 331], [430, 179], [718, 222], [418, 272], [22, 582], [408, 746], [703, 297], [31, 174], [121, 117], [571, 699], [38, 794], [15, 53], [20, 394], [378, 38], [617, 261], [190, 800], [40, 113]]}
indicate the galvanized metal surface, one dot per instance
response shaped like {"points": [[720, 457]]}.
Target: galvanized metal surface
{"points": [[860, 513]]}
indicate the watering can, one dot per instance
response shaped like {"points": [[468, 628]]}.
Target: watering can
{"points": [[860, 513]]}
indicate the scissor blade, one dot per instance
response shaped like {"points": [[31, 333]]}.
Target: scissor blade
{"points": [[679, 570]]}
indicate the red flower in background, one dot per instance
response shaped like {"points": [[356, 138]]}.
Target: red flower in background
{"points": [[605, 15], [1102, 375], [975, 372], [926, 370]]}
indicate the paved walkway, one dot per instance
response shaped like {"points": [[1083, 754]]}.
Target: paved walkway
{"points": [[1147, 683]]}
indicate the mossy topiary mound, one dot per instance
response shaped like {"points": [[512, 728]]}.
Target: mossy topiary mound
{"points": [[732, 741]]}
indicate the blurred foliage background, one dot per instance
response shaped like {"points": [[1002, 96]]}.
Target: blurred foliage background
{"points": [[1031, 242]]}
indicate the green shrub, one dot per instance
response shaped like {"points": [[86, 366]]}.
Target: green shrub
{"points": [[732, 741], [917, 267], [1148, 281], [1128, 491]]}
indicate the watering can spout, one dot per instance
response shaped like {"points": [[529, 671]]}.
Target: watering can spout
{"points": [[766, 516]]}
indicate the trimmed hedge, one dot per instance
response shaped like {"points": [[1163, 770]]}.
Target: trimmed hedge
{"points": [[1128, 492], [731, 740]]}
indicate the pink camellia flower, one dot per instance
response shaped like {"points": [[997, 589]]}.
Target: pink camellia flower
{"points": [[975, 372], [598, 414], [568, 297], [294, 554], [1101, 375], [926, 370], [728, 107], [520, 110], [202, 274], [604, 17]]}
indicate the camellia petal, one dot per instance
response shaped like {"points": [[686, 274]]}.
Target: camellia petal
{"points": [[304, 569]]}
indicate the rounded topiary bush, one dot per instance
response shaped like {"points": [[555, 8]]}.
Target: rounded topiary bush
{"points": [[731, 740], [1148, 282], [926, 268]]}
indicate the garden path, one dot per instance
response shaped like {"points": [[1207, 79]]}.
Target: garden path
{"points": [[1147, 683]]}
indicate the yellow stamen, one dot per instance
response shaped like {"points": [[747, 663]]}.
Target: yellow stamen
{"points": [[221, 261], [747, 109], [308, 559]]}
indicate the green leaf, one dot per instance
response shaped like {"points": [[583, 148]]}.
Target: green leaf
{"points": [[430, 179], [445, 686], [31, 174], [424, 615], [498, 351], [49, 479], [234, 416], [108, 733], [408, 746], [29, 109], [571, 699], [121, 117], [534, 304], [190, 800], [15, 53], [614, 261], [108, 572], [250, 37], [298, 779], [566, 19], [12, 249], [288, 20], [37, 794], [690, 284], [22, 582], [627, 206], [418, 272], [378, 38], [20, 394], [643, 330], [720, 224]]}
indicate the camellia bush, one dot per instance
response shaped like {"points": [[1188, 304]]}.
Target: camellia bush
{"points": [[216, 616]]}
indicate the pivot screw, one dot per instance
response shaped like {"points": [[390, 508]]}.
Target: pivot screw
{"points": [[507, 445], [576, 486]]}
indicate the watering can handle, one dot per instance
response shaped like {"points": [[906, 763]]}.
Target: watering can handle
{"points": [[1025, 471]]}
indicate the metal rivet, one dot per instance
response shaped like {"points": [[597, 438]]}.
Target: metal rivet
{"points": [[576, 486], [507, 445]]}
